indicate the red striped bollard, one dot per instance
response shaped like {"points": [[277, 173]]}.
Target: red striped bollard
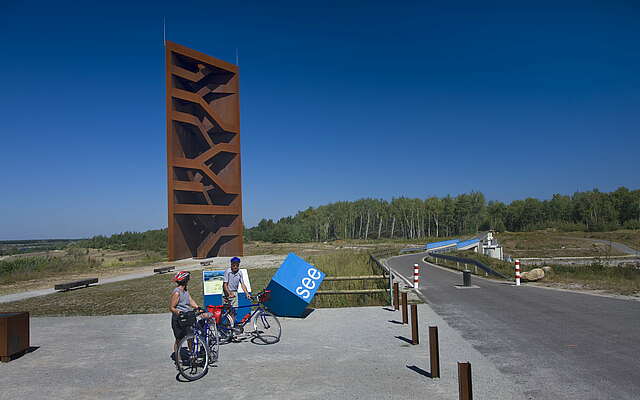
{"points": [[416, 275], [517, 272]]}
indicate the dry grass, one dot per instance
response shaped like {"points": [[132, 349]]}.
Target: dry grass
{"points": [[630, 238], [316, 248], [619, 280], [151, 294], [136, 296], [555, 244], [348, 263], [72, 261]]}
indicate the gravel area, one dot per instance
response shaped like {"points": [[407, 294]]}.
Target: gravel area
{"points": [[347, 353]]}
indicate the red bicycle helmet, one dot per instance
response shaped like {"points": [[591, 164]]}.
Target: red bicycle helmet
{"points": [[181, 276]]}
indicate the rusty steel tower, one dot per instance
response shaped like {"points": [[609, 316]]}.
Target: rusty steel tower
{"points": [[203, 155]]}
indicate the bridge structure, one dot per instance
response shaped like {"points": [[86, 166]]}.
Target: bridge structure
{"points": [[484, 243]]}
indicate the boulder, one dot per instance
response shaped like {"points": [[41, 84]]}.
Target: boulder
{"points": [[534, 275], [547, 269]]}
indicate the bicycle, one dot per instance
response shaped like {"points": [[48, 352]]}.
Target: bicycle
{"points": [[200, 348], [266, 326]]}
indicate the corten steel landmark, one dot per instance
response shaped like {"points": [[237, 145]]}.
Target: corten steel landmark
{"points": [[203, 155]]}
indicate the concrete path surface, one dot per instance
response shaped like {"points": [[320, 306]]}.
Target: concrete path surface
{"points": [[348, 353]]}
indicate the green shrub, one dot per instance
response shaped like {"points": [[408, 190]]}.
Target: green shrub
{"points": [[570, 227], [631, 224]]}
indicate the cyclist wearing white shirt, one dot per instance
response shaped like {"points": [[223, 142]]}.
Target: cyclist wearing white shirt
{"points": [[231, 281]]}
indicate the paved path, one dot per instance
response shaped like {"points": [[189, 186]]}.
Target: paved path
{"points": [[553, 344], [347, 353]]}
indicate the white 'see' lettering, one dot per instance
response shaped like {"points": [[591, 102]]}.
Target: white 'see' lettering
{"points": [[309, 283]]}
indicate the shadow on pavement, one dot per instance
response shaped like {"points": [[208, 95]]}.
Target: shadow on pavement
{"points": [[419, 371], [181, 379], [30, 349], [265, 340], [404, 339], [393, 321]]}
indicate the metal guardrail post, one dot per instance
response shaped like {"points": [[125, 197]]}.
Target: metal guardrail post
{"points": [[464, 381], [434, 352], [405, 316], [396, 296], [414, 324]]}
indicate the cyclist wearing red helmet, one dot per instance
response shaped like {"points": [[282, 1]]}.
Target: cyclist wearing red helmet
{"points": [[180, 301]]}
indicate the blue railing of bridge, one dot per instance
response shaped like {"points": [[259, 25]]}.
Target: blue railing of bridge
{"points": [[466, 243], [444, 243]]}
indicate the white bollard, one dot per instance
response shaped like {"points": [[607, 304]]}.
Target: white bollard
{"points": [[517, 272], [416, 275]]}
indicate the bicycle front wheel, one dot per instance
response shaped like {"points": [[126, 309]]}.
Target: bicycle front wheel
{"points": [[192, 357], [266, 327], [225, 329]]}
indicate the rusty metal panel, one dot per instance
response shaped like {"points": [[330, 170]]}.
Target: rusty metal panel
{"points": [[203, 155], [14, 334]]}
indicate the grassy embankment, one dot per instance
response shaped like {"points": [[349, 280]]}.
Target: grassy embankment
{"points": [[550, 243], [72, 261], [618, 280], [150, 295]]}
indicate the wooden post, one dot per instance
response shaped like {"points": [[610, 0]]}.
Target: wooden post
{"points": [[405, 316], [434, 352], [414, 324], [464, 381], [396, 298]]}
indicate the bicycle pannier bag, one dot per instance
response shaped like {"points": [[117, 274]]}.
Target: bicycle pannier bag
{"points": [[186, 318]]}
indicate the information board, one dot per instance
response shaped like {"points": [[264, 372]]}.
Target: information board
{"points": [[213, 293]]}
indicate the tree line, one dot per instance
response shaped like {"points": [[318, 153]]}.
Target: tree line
{"points": [[153, 240], [468, 213]]}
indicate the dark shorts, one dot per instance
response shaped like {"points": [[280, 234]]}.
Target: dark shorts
{"points": [[178, 331]]}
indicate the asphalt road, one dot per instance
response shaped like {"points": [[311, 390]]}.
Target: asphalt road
{"points": [[553, 344]]}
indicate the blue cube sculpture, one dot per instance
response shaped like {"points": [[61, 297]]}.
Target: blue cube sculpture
{"points": [[293, 287]]}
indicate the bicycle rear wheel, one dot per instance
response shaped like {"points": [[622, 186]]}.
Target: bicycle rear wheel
{"points": [[214, 342], [267, 327], [192, 357]]}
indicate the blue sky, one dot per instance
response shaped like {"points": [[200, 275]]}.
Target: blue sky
{"points": [[339, 101]]}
